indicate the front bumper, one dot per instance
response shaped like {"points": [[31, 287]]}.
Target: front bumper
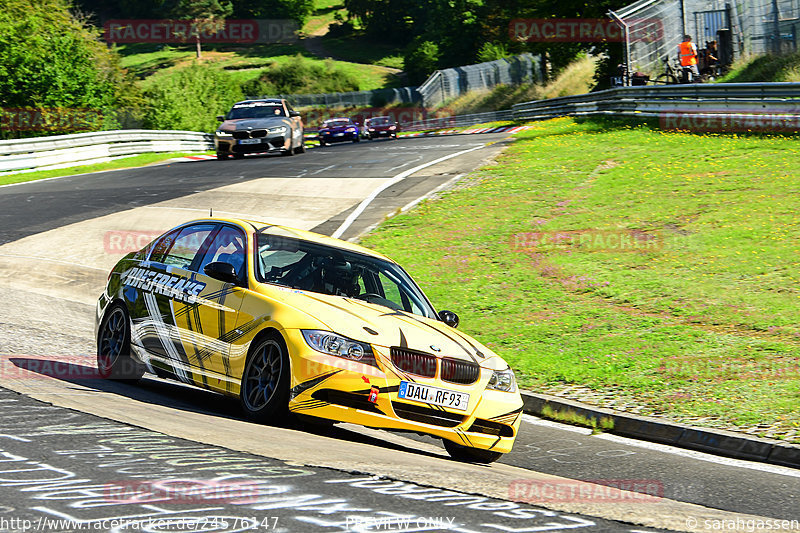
{"points": [[335, 137], [338, 389], [383, 133], [228, 145]]}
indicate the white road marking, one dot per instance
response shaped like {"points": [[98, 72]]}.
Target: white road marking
{"points": [[666, 448], [396, 179]]}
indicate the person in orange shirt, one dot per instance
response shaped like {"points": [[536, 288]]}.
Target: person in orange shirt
{"points": [[687, 51]]}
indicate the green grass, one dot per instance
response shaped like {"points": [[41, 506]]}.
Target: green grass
{"points": [[126, 162], [323, 15], [772, 68], [359, 49], [699, 319], [569, 416]]}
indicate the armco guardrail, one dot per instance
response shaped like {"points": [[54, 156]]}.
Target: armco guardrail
{"points": [[86, 148], [780, 100], [458, 121]]}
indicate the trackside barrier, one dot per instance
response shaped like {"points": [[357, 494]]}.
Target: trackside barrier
{"points": [[86, 148], [721, 101], [458, 121]]}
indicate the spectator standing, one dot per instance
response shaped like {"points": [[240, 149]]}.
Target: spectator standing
{"points": [[687, 51]]}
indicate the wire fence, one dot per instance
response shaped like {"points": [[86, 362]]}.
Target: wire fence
{"points": [[738, 27], [450, 83]]}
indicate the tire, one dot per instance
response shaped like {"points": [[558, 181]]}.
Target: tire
{"points": [[301, 149], [470, 455], [321, 142], [264, 393], [221, 156], [237, 155], [114, 359]]}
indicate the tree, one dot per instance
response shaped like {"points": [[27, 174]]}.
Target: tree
{"points": [[54, 68], [206, 16], [296, 10]]}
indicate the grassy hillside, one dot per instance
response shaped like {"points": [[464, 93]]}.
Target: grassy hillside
{"points": [[576, 78], [765, 68], [151, 62], [666, 285]]}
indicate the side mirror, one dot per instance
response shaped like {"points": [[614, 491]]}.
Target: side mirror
{"points": [[448, 317], [294, 113], [221, 271], [221, 118]]}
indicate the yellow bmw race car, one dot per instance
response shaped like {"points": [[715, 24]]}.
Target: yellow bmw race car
{"points": [[292, 321]]}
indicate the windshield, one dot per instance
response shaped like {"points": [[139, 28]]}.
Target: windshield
{"points": [[319, 268], [336, 124], [256, 110], [379, 121]]}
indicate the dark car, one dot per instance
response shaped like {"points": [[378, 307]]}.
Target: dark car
{"points": [[257, 126], [381, 127], [338, 130]]}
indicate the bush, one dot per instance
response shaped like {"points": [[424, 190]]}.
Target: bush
{"points": [[300, 76], [492, 52], [421, 60], [190, 99], [51, 61]]}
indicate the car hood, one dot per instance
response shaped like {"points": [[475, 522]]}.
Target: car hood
{"points": [[253, 123], [381, 326], [337, 129]]}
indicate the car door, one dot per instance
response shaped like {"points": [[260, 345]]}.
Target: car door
{"points": [[158, 294], [210, 325]]}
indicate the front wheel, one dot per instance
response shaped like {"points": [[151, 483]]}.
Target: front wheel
{"points": [[470, 455], [114, 359], [264, 391], [301, 149]]}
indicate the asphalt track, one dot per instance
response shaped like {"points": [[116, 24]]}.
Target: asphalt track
{"points": [[49, 279]]}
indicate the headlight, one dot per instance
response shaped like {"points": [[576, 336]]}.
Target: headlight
{"points": [[279, 129], [392, 127], [503, 380], [351, 130], [333, 344], [372, 129], [221, 133]]}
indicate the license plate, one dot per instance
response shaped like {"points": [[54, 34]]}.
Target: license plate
{"points": [[433, 395], [250, 141]]}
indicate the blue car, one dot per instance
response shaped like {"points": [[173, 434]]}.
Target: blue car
{"points": [[338, 130]]}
